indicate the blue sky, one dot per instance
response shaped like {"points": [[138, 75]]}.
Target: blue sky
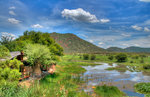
{"points": [[105, 23]]}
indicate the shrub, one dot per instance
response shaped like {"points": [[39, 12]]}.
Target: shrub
{"points": [[4, 52], [93, 57], [143, 88], [85, 56], [142, 60], [146, 66], [108, 91], [121, 57], [131, 62], [111, 57]]}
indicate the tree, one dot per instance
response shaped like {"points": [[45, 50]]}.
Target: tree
{"points": [[85, 56], [121, 57], [6, 38], [93, 57], [43, 39], [4, 52], [38, 55], [111, 57]]}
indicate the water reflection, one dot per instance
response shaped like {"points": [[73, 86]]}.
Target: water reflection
{"points": [[97, 75]]}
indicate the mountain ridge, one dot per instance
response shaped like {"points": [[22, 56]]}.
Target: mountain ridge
{"points": [[73, 44]]}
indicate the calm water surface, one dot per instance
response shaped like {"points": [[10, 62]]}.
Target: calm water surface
{"points": [[97, 75]]}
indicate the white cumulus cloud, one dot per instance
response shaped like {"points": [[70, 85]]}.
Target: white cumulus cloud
{"points": [[105, 20], [12, 13], [146, 29], [100, 43], [37, 26], [12, 7], [13, 21], [136, 27], [81, 15], [144, 0], [125, 35]]}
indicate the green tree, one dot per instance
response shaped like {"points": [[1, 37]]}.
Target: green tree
{"points": [[43, 39], [38, 55], [121, 57], [4, 52], [85, 56], [93, 57], [111, 57]]}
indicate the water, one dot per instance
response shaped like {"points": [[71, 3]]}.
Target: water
{"points": [[97, 75]]}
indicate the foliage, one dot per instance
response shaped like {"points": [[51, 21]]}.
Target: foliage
{"points": [[6, 38], [37, 53], [111, 57], [85, 56], [34, 37], [9, 71], [143, 88], [146, 66], [4, 52], [108, 91], [17, 45], [93, 57], [43, 39], [121, 57]]}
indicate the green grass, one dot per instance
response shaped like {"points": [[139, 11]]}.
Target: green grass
{"points": [[143, 88], [108, 91], [133, 60]]}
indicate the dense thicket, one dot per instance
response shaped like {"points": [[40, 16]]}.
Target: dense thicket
{"points": [[4, 52], [34, 37]]}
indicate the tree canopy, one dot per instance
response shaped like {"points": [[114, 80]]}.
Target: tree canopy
{"points": [[33, 37], [4, 52], [37, 53]]}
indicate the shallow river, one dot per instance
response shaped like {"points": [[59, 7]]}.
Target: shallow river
{"points": [[97, 75]]}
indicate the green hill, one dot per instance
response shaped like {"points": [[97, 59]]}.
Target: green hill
{"points": [[129, 49], [115, 49], [73, 44]]}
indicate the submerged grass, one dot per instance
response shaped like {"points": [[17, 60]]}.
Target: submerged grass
{"points": [[108, 91]]}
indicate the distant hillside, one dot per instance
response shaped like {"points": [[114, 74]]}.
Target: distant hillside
{"points": [[73, 44], [115, 49], [129, 49]]}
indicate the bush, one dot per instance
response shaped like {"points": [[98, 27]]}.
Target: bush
{"points": [[4, 52], [85, 56], [9, 71], [121, 57], [146, 66], [93, 57], [111, 57], [143, 88], [108, 91]]}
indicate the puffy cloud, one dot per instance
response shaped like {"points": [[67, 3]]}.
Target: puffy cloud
{"points": [[105, 20], [91, 41], [146, 29], [136, 27], [37, 26], [13, 21], [125, 35], [144, 0], [12, 13], [125, 44], [12, 7], [100, 43], [81, 15]]}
